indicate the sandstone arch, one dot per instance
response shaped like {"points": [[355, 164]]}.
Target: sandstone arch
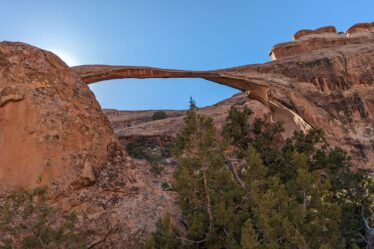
{"points": [[94, 73], [343, 63]]}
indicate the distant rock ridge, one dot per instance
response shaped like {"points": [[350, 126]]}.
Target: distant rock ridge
{"points": [[308, 32], [306, 41], [361, 28]]}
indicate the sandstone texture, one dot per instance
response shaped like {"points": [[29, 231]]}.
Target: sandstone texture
{"points": [[307, 32], [52, 130], [121, 209]]}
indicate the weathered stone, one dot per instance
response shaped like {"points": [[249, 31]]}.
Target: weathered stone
{"points": [[322, 30], [361, 27], [9, 94], [49, 119]]}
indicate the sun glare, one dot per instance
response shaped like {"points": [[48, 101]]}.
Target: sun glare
{"points": [[66, 57]]}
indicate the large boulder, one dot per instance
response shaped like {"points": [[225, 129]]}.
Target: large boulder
{"points": [[52, 130]]}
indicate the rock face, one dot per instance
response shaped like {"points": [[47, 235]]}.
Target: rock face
{"points": [[52, 130], [330, 78], [122, 207]]}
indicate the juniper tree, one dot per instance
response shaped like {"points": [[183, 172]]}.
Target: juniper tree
{"points": [[298, 193], [206, 189], [295, 214], [350, 191]]}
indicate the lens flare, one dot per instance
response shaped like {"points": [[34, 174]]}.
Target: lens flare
{"points": [[66, 57]]}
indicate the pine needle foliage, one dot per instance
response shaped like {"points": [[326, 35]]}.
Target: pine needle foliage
{"points": [[299, 193]]}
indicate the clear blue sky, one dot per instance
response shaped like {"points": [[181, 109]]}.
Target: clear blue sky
{"points": [[182, 34]]}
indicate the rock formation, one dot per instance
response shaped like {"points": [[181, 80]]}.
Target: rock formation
{"points": [[323, 79], [307, 32], [53, 132]]}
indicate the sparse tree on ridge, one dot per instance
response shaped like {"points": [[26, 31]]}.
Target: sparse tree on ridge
{"points": [[192, 104]]}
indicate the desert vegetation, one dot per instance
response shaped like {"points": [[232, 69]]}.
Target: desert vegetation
{"points": [[250, 189], [146, 150], [27, 221], [159, 115]]}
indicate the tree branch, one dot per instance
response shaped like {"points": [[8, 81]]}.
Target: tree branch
{"points": [[233, 171]]}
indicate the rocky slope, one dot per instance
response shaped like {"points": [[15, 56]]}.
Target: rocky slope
{"points": [[53, 132], [130, 126]]}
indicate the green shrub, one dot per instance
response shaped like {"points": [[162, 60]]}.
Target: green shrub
{"points": [[27, 222], [155, 169], [165, 186], [159, 115], [166, 150], [165, 237], [137, 149]]}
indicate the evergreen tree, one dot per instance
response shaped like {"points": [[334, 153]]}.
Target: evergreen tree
{"points": [[261, 134], [192, 104], [165, 236], [350, 191], [248, 236], [298, 193], [295, 214], [205, 186], [236, 129]]}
